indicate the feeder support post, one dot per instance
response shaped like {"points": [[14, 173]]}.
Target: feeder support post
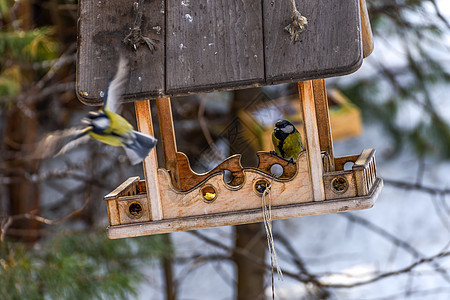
{"points": [[323, 120], [145, 125], [367, 36], [312, 139], [168, 140]]}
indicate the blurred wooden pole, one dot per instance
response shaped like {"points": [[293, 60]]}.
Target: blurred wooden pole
{"points": [[366, 29], [20, 131], [323, 119], [250, 237], [167, 265]]}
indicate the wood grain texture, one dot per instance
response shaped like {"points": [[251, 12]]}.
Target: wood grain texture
{"points": [[365, 171], [145, 125], [126, 217], [101, 28], [312, 138], [212, 44], [339, 162], [113, 212], [125, 189], [230, 206], [364, 159], [247, 216], [177, 204], [207, 46], [168, 139], [330, 46], [331, 193], [323, 118], [190, 179], [266, 160]]}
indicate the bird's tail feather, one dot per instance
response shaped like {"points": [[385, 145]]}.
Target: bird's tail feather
{"points": [[140, 148]]}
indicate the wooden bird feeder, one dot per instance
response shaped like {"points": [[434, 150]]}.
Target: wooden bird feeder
{"points": [[178, 48]]}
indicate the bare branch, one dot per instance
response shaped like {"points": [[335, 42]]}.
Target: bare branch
{"points": [[393, 273], [439, 14], [395, 240], [416, 186], [9, 220]]}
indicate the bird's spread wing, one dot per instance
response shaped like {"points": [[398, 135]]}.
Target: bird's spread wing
{"points": [[59, 142], [73, 144], [116, 87]]}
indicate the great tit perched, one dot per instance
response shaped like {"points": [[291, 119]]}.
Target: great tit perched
{"points": [[104, 125], [286, 140]]}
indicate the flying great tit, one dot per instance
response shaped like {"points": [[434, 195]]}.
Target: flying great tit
{"points": [[104, 125], [286, 140]]}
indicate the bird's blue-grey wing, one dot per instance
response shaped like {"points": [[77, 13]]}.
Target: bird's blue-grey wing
{"points": [[73, 143], [116, 87]]}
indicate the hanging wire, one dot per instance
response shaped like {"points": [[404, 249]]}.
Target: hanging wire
{"points": [[266, 203]]}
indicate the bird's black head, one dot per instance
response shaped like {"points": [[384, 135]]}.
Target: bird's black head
{"points": [[283, 128]]}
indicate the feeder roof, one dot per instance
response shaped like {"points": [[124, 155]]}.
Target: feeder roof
{"points": [[183, 47]]}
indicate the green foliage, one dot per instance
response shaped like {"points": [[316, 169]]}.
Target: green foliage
{"points": [[19, 50], [84, 265], [4, 8], [10, 80], [28, 46]]}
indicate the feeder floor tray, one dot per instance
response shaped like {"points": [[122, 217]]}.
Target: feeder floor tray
{"points": [[247, 216]]}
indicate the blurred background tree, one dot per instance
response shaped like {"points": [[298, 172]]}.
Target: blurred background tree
{"points": [[64, 255]]}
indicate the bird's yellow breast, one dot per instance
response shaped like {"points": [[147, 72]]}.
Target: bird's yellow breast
{"points": [[291, 146], [118, 129], [118, 125]]}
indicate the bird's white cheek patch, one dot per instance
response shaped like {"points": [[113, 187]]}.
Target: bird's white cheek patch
{"points": [[288, 129], [102, 123]]}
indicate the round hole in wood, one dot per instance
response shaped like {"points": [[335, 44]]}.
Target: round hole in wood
{"points": [[233, 180], [339, 184], [135, 209], [260, 185], [208, 193]]}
